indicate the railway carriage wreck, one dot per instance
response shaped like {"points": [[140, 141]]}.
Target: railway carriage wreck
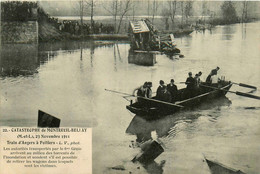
{"points": [[146, 38]]}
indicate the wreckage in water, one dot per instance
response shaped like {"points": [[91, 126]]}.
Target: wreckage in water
{"points": [[217, 168], [145, 38]]}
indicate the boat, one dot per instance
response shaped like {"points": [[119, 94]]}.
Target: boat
{"points": [[151, 108], [218, 168]]}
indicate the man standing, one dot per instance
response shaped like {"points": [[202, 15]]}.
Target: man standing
{"points": [[212, 73], [149, 90], [172, 88], [190, 82], [160, 90]]}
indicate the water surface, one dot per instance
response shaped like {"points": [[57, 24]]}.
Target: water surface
{"points": [[68, 80]]}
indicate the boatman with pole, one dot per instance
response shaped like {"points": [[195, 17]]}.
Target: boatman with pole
{"points": [[190, 82]]}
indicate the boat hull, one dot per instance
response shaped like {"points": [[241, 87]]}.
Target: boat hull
{"points": [[152, 110]]}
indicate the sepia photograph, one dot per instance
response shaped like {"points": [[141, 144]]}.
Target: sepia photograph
{"points": [[166, 86]]}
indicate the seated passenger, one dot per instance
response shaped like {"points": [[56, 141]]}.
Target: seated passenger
{"points": [[172, 88], [159, 90], [149, 90], [166, 95], [190, 82]]}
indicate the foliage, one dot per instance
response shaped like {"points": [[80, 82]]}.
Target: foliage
{"points": [[229, 12], [188, 9], [18, 11]]}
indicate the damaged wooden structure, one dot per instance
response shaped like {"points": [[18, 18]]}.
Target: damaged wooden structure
{"points": [[145, 38]]}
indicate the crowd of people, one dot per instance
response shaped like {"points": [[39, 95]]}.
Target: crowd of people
{"points": [[73, 27], [170, 93]]}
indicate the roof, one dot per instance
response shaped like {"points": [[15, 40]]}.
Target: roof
{"points": [[139, 27]]}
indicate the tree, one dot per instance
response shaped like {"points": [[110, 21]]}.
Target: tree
{"points": [[155, 8], [172, 10], [113, 8], [126, 7], [245, 11], [165, 18], [229, 12], [118, 8], [188, 10], [91, 4]]}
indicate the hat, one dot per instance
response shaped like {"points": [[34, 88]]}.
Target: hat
{"points": [[190, 73], [149, 84]]}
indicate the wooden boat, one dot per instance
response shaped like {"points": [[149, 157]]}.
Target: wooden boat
{"points": [[154, 109]]}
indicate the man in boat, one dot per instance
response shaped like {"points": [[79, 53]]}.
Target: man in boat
{"points": [[165, 95], [141, 92], [197, 79], [160, 90], [149, 90], [172, 88], [212, 73], [190, 82]]}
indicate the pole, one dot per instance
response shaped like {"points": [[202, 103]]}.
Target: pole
{"points": [[158, 101], [234, 92]]}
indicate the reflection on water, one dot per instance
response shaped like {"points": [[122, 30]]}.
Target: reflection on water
{"points": [[228, 32], [19, 59], [25, 59], [166, 127], [154, 167], [141, 58]]}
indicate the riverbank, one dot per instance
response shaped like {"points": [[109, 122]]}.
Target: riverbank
{"points": [[48, 33]]}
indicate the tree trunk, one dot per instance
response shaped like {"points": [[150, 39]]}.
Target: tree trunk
{"points": [[92, 14]]}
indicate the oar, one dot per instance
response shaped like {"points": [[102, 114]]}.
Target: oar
{"points": [[245, 85], [118, 92], [158, 101], [235, 92]]}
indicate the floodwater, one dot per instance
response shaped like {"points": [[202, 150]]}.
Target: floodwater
{"points": [[68, 80]]}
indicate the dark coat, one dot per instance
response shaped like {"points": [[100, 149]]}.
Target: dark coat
{"points": [[190, 82], [172, 89], [159, 92]]}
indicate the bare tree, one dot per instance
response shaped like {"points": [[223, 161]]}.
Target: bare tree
{"points": [[204, 9], [81, 11], [182, 13], [133, 7], [155, 8], [165, 18], [118, 8], [245, 11], [188, 10], [126, 7], [172, 10], [91, 4], [112, 8], [79, 8]]}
